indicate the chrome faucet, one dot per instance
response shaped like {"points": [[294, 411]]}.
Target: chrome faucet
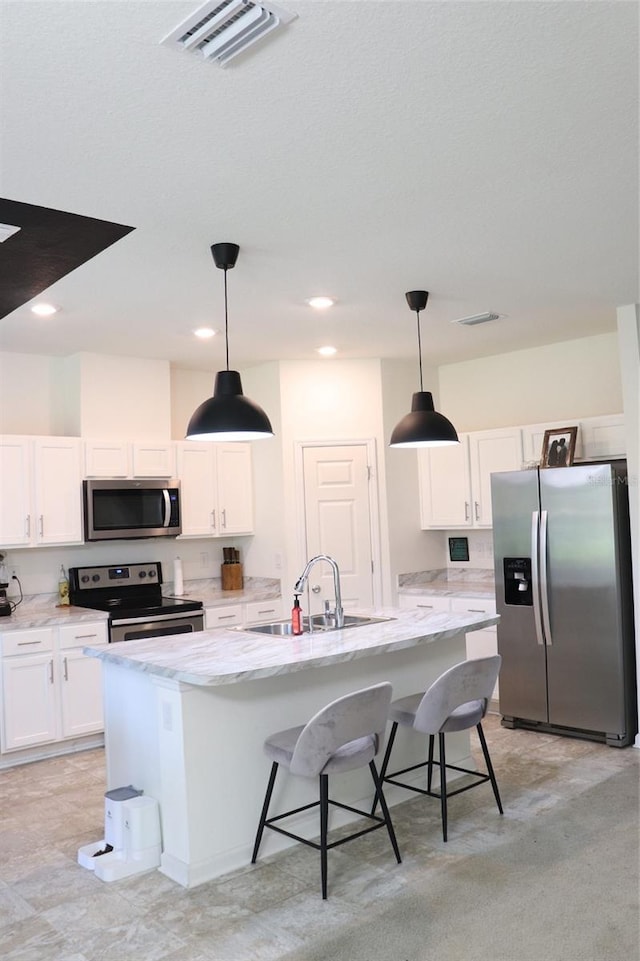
{"points": [[302, 582]]}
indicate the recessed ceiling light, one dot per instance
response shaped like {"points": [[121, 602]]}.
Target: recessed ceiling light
{"points": [[327, 351], [205, 332], [320, 303], [44, 310]]}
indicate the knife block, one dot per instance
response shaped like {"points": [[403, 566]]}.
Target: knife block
{"points": [[231, 577]]}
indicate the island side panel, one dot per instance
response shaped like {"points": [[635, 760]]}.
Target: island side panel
{"points": [[198, 750]]}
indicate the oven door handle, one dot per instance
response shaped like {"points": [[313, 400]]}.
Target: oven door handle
{"points": [[153, 618]]}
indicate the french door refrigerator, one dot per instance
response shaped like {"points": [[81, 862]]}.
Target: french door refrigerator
{"points": [[563, 592]]}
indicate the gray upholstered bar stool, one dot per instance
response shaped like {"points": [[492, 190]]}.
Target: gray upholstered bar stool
{"points": [[345, 735], [456, 701]]}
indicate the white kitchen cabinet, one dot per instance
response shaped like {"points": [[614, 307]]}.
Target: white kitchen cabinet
{"points": [[216, 489], [41, 501], [153, 459], [107, 458], [29, 700], [50, 690], [80, 679], [455, 481], [424, 602], [227, 616], [599, 438], [482, 643]]}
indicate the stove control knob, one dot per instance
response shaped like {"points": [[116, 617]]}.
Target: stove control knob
{"points": [[152, 573], [142, 574], [95, 577], [85, 578]]}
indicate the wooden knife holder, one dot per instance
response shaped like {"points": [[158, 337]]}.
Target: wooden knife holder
{"points": [[231, 577]]}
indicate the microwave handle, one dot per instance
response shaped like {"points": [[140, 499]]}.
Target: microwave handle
{"points": [[167, 508]]}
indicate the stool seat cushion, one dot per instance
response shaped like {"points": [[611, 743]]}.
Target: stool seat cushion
{"points": [[403, 711], [279, 747]]}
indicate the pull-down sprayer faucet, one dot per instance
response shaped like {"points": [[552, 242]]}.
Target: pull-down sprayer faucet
{"points": [[302, 582]]}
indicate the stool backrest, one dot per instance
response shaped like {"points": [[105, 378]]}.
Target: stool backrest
{"points": [[472, 680], [360, 714]]}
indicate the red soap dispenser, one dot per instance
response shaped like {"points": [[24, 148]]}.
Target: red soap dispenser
{"points": [[296, 616]]}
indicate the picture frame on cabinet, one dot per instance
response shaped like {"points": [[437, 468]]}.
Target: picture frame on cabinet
{"points": [[558, 447]]}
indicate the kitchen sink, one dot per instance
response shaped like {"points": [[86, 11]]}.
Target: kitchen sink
{"points": [[322, 623]]}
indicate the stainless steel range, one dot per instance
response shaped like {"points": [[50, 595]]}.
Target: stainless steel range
{"points": [[132, 594]]}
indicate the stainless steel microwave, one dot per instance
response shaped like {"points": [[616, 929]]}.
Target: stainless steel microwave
{"points": [[123, 509]]}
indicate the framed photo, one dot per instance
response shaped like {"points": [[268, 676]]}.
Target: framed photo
{"points": [[559, 447]]}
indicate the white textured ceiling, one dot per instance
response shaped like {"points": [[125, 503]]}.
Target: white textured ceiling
{"points": [[486, 152]]}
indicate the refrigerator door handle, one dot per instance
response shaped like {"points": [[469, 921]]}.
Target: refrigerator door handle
{"points": [[535, 575], [544, 581]]}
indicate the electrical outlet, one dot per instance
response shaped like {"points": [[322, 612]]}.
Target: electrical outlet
{"points": [[204, 559], [15, 572]]}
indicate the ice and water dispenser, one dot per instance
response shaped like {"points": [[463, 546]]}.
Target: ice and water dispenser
{"points": [[517, 581]]}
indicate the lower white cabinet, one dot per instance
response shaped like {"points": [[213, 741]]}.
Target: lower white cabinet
{"points": [[252, 612], [50, 690], [480, 643]]}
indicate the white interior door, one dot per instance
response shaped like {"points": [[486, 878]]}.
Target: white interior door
{"points": [[337, 506]]}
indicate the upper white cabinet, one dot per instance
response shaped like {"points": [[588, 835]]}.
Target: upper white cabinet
{"points": [[113, 458], [455, 481], [217, 489], [599, 438], [41, 491]]}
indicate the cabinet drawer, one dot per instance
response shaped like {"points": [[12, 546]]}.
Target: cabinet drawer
{"points": [[424, 602], [32, 641], [262, 612], [83, 635], [222, 616], [474, 605]]}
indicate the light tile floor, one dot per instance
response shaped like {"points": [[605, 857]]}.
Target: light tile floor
{"points": [[51, 909]]}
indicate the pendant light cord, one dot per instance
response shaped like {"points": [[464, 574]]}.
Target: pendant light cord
{"points": [[419, 347], [226, 318]]}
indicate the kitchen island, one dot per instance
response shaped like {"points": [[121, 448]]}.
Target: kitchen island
{"points": [[186, 716]]}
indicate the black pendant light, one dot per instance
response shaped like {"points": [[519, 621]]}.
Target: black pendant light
{"points": [[228, 415], [423, 426]]}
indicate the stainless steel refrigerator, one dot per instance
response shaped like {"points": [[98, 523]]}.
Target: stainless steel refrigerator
{"points": [[563, 591]]}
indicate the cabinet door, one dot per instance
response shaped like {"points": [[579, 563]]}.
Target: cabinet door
{"points": [[482, 643], [58, 499], [263, 612], [602, 437], [29, 701], [80, 693], [108, 458], [153, 460], [445, 486], [15, 486], [196, 472], [235, 489], [491, 452]]}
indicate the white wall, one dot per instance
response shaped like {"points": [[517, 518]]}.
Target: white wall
{"points": [[26, 385], [189, 388], [572, 379]]}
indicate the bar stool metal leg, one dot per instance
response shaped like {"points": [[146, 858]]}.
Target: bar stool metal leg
{"points": [[492, 777], [265, 810], [324, 820], [443, 786], [385, 810], [430, 762], [385, 762]]}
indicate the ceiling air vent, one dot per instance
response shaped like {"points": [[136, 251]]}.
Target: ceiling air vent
{"points": [[219, 31], [477, 319]]}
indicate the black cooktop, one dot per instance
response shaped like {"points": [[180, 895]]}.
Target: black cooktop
{"points": [[125, 590]]}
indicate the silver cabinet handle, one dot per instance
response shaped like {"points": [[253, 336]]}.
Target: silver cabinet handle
{"points": [[83, 637], [224, 518], [213, 519], [429, 606], [66, 669], [41, 525], [477, 510], [27, 643], [28, 525], [51, 672], [225, 617], [466, 510]]}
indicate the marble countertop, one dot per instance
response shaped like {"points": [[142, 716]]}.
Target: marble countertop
{"points": [[227, 655], [42, 610], [449, 582]]}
